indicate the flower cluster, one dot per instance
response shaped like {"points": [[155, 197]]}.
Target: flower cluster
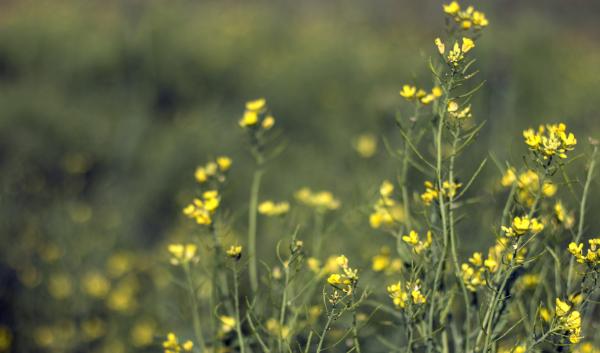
{"points": [[569, 320], [466, 19], [256, 114], [528, 185], [420, 95], [235, 252], [213, 170], [321, 200], [592, 256], [456, 112], [346, 281], [562, 216], [182, 253], [172, 345], [457, 54], [522, 225], [550, 140], [202, 210], [416, 243], [384, 262], [386, 210], [432, 192], [405, 295], [273, 209], [473, 273]]}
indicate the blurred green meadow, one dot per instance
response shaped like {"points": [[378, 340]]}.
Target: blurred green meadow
{"points": [[107, 107]]}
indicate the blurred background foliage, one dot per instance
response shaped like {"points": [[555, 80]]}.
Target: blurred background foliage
{"points": [[107, 107]]}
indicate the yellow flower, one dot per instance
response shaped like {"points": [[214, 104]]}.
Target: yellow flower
{"points": [[452, 8], [562, 308], [408, 91], [182, 253], [509, 177], [467, 44], [347, 279], [95, 284], [256, 105], [227, 323], [476, 259], [235, 251], [321, 201], [202, 209], [268, 122], [366, 145], [272, 209], [522, 225], [250, 118], [380, 262], [224, 163], [440, 46], [413, 240], [550, 140], [313, 264], [171, 344], [409, 294], [431, 194]]}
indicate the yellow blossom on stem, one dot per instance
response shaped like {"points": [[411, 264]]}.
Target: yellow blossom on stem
{"points": [[182, 253]]}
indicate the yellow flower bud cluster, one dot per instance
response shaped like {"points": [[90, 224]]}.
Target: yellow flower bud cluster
{"points": [[213, 170], [550, 140], [346, 281], [202, 210], [523, 225], [456, 112], [386, 211], [410, 93], [256, 114], [416, 243], [273, 209], [172, 345], [432, 193], [591, 257], [456, 55], [321, 200], [183, 253], [235, 252], [569, 320], [405, 295], [528, 185], [466, 19]]}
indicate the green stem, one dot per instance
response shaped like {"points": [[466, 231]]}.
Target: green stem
{"points": [[283, 306], [325, 329], [252, 216], [582, 206], [238, 324], [354, 325], [453, 247], [490, 313], [194, 304]]}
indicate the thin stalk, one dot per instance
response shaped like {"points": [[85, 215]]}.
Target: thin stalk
{"points": [[355, 325], [489, 315], [463, 287], [442, 208], [582, 206], [194, 304], [236, 301], [325, 329], [283, 306], [252, 216]]}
